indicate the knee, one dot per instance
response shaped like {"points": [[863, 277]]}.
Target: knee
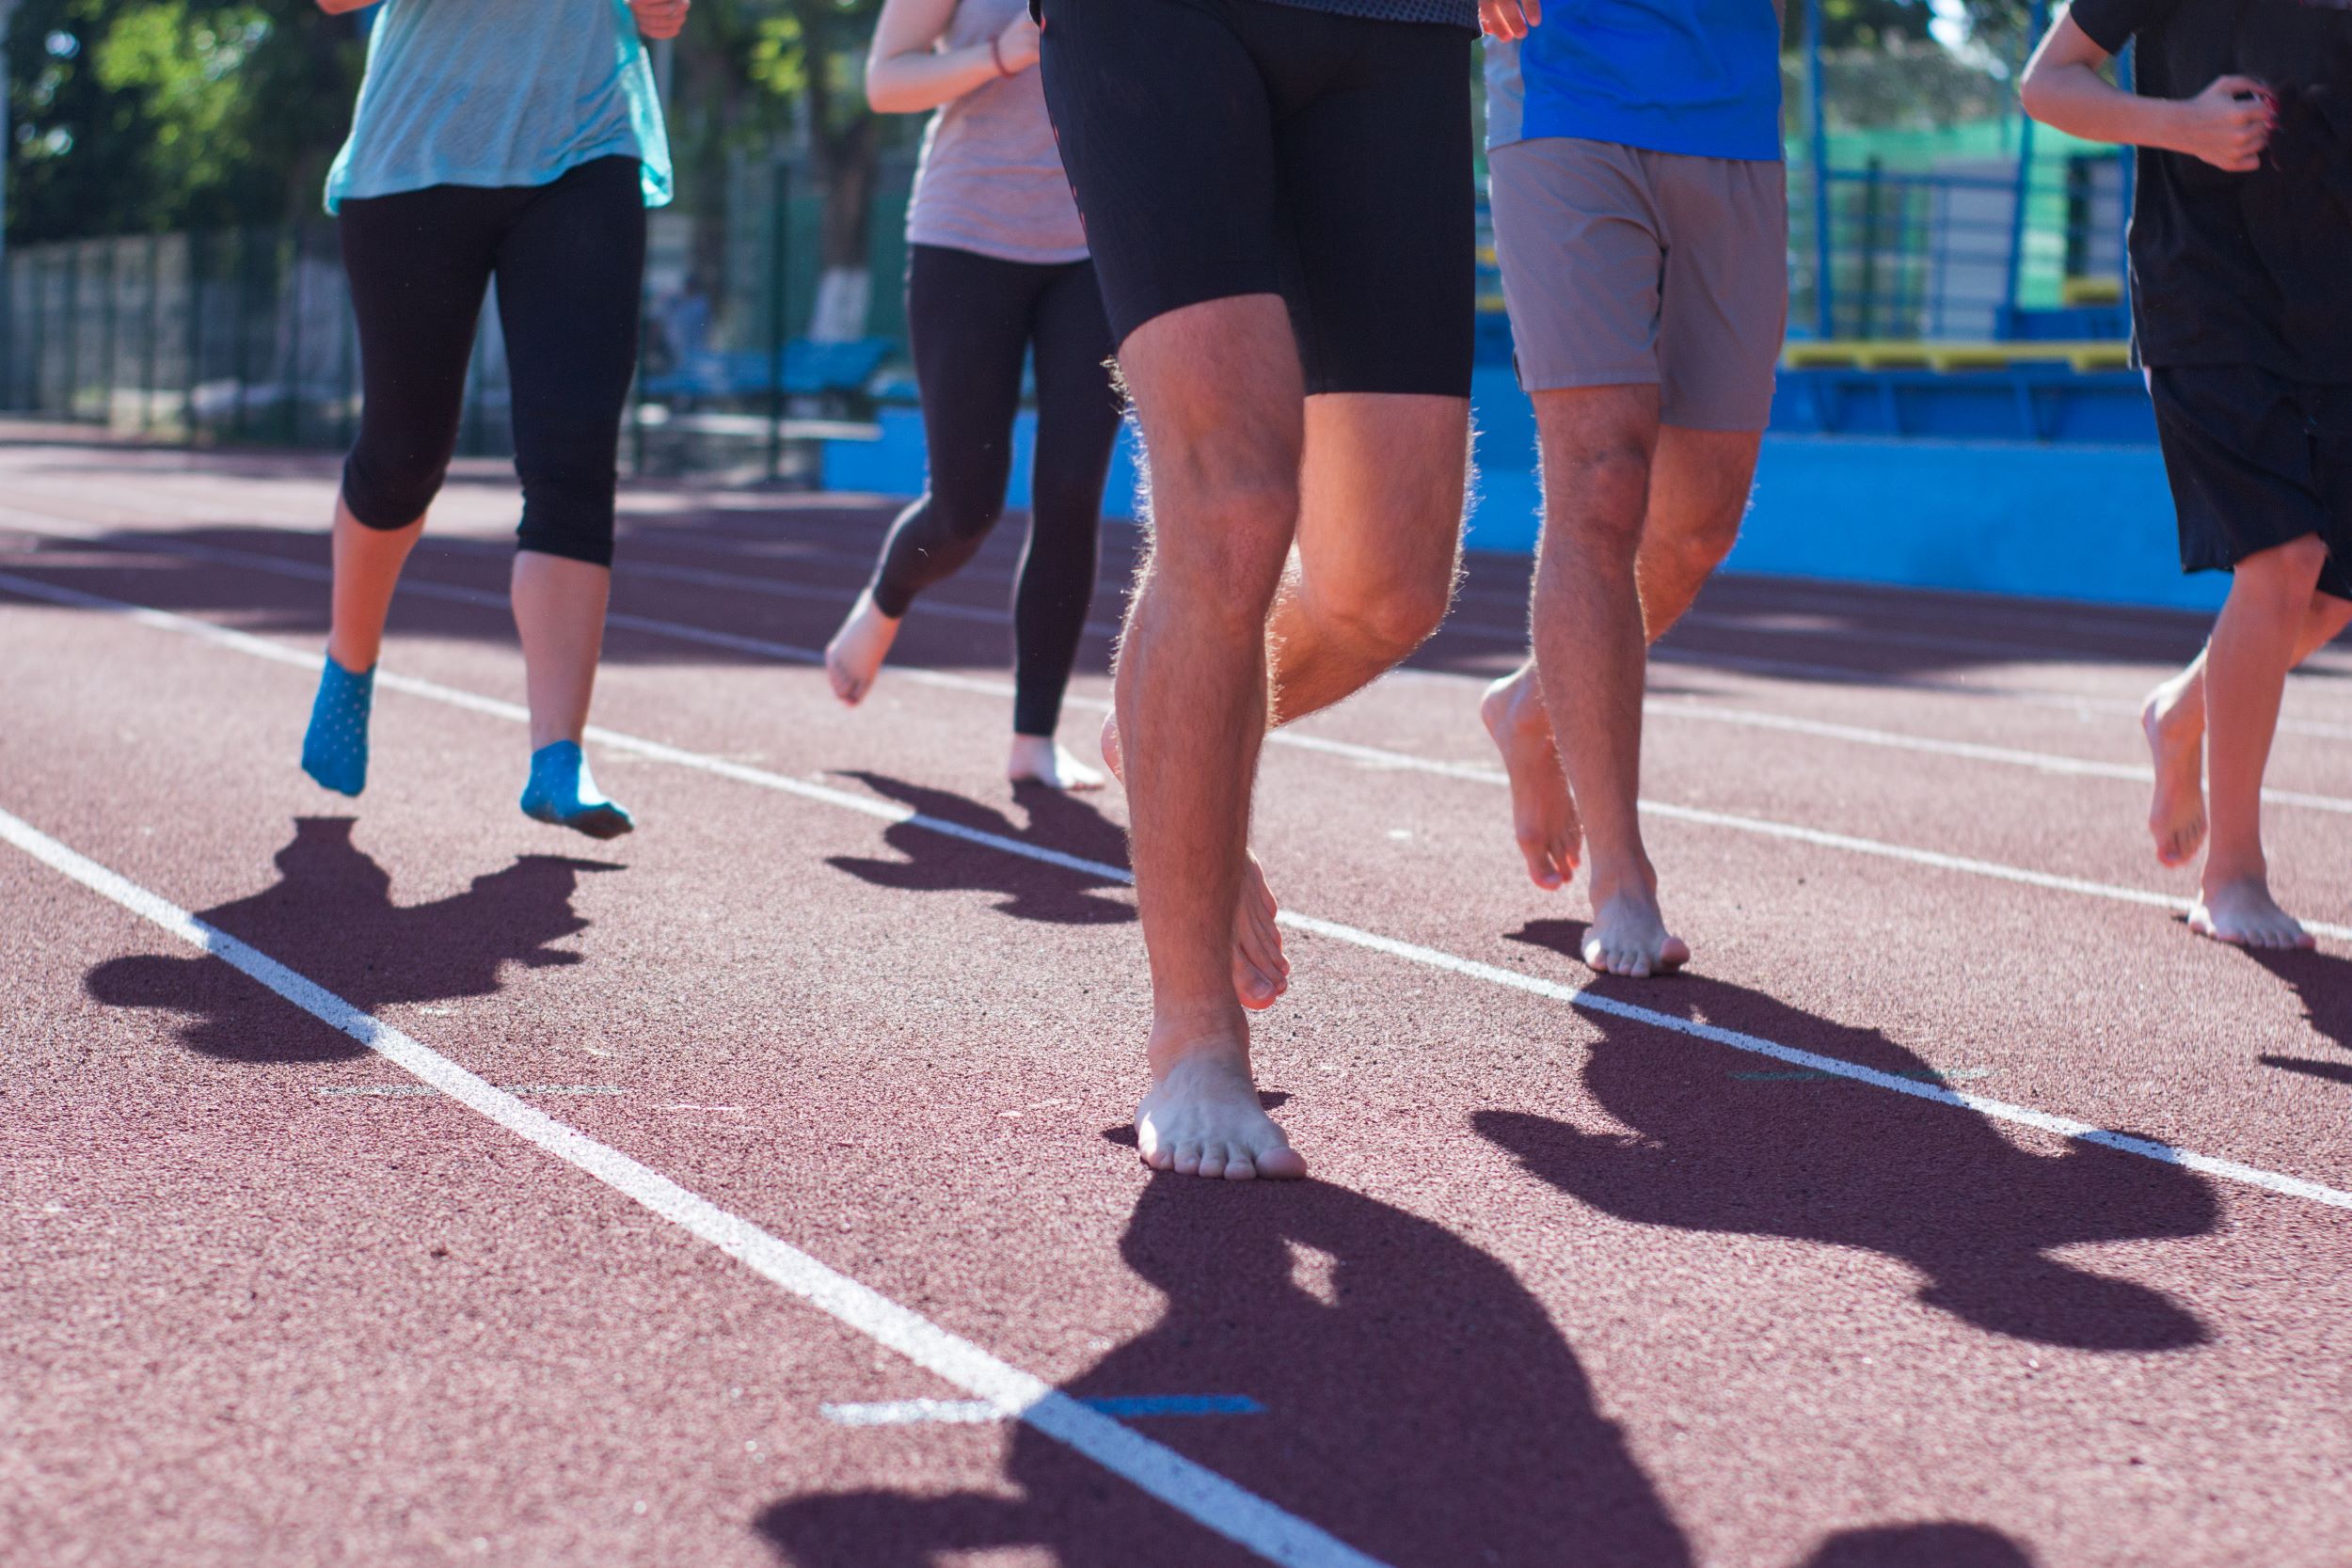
{"points": [[568, 511], [1710, 538], [2283, 577], [389, 491], [1596, 497], [1389, 615], [1223, 545], [1067, 501]]}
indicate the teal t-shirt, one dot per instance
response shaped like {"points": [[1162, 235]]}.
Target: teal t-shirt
{"points": [[500, 92], [1698, 77]]}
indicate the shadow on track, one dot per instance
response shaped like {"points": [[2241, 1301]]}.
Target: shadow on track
{"points": [[331, 918], [1418, 1404], [1731, 1143], [1851, 635], [1031, 890], [2323, 982]]}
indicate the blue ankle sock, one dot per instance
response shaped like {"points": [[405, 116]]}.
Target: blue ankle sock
{"points": [[563, 792], [335, 751]]}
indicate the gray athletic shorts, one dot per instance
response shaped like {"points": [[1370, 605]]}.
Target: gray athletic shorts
{"points": [[1624, 266]]}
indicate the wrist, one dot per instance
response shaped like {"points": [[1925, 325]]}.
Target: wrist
{"points": [[996, 56], [2168, 124]]}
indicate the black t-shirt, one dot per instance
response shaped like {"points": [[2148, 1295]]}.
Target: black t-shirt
{"points": [[2244, 268]]}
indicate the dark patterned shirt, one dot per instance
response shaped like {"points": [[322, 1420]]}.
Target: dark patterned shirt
{"points": [[1445, 13]]}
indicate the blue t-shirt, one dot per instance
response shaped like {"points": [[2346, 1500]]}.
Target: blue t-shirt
{"points": [[500, 92], [1700, 77]]}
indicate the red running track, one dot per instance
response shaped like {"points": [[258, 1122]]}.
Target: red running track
{"points": [[812, 1098]]}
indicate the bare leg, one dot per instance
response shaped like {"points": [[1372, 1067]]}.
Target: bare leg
{"points": [[368, 562], [2247, 661], [1219, 391], [2173, 720], [1379, 541], [558, 611], [1379, 537], [1698, 492]]}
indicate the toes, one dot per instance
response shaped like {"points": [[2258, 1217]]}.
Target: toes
{"points": [[1541, 866], [1187, 1160], [1212, 1163], [1279, 1163]]}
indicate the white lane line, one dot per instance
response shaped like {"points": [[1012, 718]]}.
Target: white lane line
{"points": [[403, 1090], [1760, 665], [1967, 750], [901, 1413], [735, 544], [1429, 957], [1763, 828], [1372, 757], [907, 1413], [1680, 708], [1202, 1495]]}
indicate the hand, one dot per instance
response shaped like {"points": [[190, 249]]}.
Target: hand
{"points": [[2228, 124], [1508, 19], [1016, 46], [659, 19]]}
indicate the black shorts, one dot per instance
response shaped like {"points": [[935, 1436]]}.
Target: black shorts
{"points": [[2256, 461], [1220, 147]]}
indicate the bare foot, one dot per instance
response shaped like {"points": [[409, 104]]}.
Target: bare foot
{"points": [[855, 657], [1111, 748], [2175, 728], [1543, 814], [1201, 1118], [1629, 934], [2242, 914], [1261, 973], [1037, 759]]}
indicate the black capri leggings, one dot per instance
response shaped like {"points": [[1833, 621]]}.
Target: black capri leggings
{"points": [[972, 320], [569, 260]]}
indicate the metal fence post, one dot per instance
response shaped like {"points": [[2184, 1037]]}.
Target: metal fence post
{"points": [[196, 334], [2038, 21], [154, 331], [107, 345], [240, 328], [291, 249], [1824, 308], [1869, 283], [779, 224], [72, 326]]}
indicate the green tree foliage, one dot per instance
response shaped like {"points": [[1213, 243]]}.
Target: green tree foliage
{"points": [[140, 115], [143, 115]]}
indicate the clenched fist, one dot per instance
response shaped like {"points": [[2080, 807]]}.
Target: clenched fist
{"points": [[2228, 124], [659, 19]]}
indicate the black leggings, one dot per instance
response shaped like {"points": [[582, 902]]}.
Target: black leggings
{"points": [[569, 260], [972, 319]]}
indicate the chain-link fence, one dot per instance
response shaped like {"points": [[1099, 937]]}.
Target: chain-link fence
{"points": [[246, 335], [1901, 227]]}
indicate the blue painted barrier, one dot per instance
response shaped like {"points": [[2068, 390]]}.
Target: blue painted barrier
{"points": [[2068, 519]]}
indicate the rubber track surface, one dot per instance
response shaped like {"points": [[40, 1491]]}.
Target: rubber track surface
{"points": [[1589, 1274]]}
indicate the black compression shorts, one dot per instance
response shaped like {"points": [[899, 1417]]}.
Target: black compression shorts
{"points": [[1221, 148]]}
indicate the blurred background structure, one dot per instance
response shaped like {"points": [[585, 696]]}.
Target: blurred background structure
{"points": [[1956, 275]]}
